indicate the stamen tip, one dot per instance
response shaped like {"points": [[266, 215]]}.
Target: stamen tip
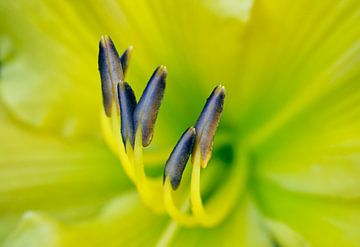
{"points": [[162, 69], [103, 38], [220, 89], [127, 103], [106, 42], [161, 72], [110, 72], [207, 124], [125, 58], [176, 163], [147, 110]]}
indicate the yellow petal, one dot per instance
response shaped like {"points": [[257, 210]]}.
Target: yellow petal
{"points": [[69, 180], [320, 221], [124, 220]]}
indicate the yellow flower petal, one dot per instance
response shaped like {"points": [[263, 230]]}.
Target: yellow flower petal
{"points": [[321, 221], [124, 220], [69, 180]]}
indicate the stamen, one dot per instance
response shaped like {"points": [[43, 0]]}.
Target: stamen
{"points": [[112, 125], [110, 72], [176, 163], [178, 214], [206, 127], [127, 103], [207, 124], [148, 107], [125, 59], [227, 195], [137, 121], [150, 189]]}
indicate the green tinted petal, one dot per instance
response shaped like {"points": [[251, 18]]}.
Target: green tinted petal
{"points": [[322, 222], [34, 230], [284, 236], [300, 99], [69, 180], [245, 227], [333, 173], [124, 221], [294, 55], [46, 82], [317, 151], [239, 9], [301, 95]]}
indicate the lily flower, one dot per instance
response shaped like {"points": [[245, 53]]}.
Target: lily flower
{"points": [[134, 141]]}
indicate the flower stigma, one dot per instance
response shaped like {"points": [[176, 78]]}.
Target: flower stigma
{"points": [[129, 127]]}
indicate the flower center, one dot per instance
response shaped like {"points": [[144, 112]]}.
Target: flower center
{"points": [[129, 125]]}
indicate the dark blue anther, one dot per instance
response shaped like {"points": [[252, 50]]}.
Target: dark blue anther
{"points": [[176, 163], [147, 109], [207, 124]]}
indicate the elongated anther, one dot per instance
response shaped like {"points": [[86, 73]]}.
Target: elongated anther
{"points": [[110, 72], [147, 109], [176, 163], [207, 124], [125, 59], [127, 103]]}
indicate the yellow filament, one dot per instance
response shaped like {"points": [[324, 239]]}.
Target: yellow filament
{"points": [[195, 195], [152, 159], [113, 137], [108, 133], [132, 161], [227, 197], [171, 208], [149, 189]]}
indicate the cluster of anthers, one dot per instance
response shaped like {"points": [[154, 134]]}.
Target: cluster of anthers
{"points": [[129, 127]]}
